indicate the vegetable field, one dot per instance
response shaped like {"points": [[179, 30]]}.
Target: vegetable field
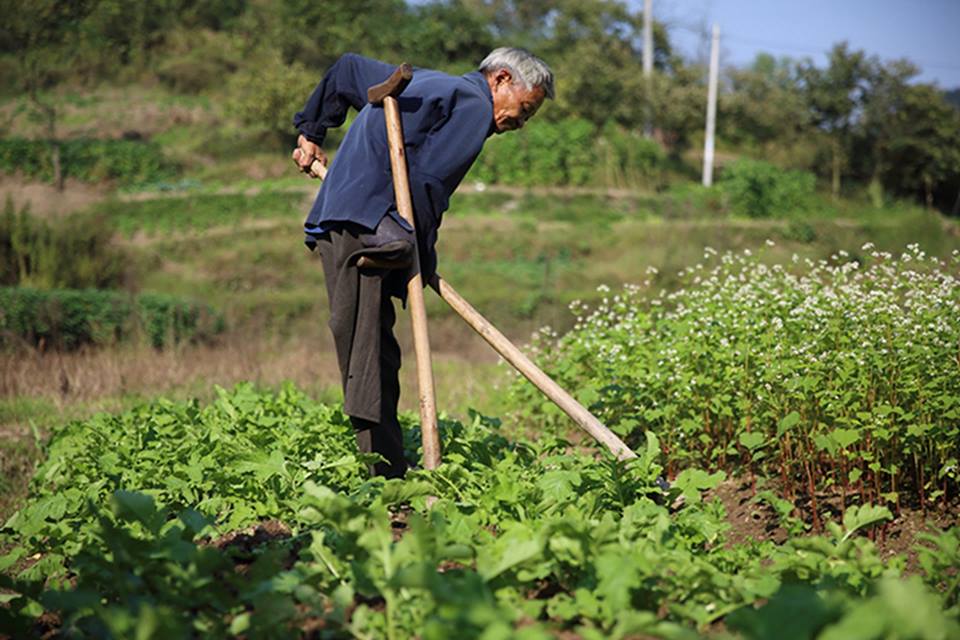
{"points": [[831, 388]]}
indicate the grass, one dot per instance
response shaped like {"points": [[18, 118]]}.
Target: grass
{"points": [[193, 213], [519, 256]]}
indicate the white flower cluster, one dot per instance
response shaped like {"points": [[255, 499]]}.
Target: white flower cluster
{"points": [[837, 340]]}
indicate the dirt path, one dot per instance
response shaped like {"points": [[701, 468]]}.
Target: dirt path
{"points": [[46, 201]]}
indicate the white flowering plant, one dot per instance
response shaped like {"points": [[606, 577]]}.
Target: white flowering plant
{"points": [[839, 376]]}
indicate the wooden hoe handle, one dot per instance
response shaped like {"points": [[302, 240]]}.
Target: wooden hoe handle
{"points": [[584, 419], [387, 92], [392, 86]]}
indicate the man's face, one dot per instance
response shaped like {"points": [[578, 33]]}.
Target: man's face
{"points": [[512, 104]]}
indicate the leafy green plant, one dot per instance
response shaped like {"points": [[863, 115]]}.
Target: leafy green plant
{"points": [[124, 531], [89, 160], [759, 189], [70, 318]]}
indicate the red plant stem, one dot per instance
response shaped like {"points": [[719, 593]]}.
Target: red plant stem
{"points": [[787, 467], [893, 487], [813, 497], [843, 486], [923, 497], [730, 429], [783, 473], [876, 484]]}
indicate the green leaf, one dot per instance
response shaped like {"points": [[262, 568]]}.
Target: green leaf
{"points": [[514, 548], [558, 485], [399, 491], [752, 440], [11, 558], [691, 482], [858, 517], [795, 612], [264, 465], [788, 422], [240, 624], [138, 507], [845, 437]]}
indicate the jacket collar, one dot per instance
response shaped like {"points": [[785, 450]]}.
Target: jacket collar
{"points": [[477, 78]]}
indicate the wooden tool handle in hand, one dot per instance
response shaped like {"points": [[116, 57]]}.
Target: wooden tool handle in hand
{"points": [[318, 170]]}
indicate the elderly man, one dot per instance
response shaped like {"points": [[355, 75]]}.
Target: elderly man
{"points": [[446, 120]]}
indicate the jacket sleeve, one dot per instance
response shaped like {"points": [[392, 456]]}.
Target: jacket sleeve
{"points": [[344, 85], [440, 164]]}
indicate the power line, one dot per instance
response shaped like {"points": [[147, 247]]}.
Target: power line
{"points": [[809, 49]]}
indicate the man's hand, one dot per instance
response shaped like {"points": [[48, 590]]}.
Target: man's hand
{"points": [[308, 152]]}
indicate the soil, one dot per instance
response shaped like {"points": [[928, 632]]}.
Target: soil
{"points": [[750, 519], [243, 545], [398, 522], [46, 201]]}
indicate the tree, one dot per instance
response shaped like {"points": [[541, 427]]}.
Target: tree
{"points": [[765, 104], [42, 35], [924, 147], [953, 97], [446, 35], [884, 98], [834, 96], [595, 48], [317, 33]]}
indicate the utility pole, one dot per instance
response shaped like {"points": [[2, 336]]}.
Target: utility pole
{"points": [[647, 38], [711, 107], [648, 61]]}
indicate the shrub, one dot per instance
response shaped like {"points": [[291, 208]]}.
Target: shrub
{"points": [[76, 254], [88, 160], [569, 152], [626, 157], [68, 318], [760, 190], [267, 94], [198, 59]]}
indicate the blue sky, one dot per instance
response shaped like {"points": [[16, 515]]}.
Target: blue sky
{"points": [[925, 31]]}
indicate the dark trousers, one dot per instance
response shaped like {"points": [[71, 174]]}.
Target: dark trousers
{"points": [[362, 317]]}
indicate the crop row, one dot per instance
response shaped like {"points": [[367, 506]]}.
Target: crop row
{"points": [[130, 529]]}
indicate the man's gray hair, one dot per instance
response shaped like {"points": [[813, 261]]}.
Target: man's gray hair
{"points": [[526, 68]]}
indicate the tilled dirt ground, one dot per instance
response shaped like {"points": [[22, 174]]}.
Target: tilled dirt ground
{"points": [[751, 519]]}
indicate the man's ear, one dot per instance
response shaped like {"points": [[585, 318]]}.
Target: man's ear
{"points": [[503, 76]]}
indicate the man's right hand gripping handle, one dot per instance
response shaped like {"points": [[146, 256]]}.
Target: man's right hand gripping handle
{"points": [[305, 153]]}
